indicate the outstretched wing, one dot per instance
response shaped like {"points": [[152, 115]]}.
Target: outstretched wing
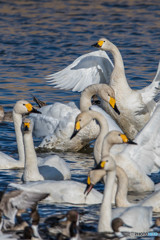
{"points": [[149, 93], [26, 199], [90, 68]]}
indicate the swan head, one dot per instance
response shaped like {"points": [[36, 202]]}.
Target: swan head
{"points": [[103, 44], [24, 107], [27, 125], [72, 216], [81, 121], [108, 95], [107, 164], [116, 224], [116, 137]]}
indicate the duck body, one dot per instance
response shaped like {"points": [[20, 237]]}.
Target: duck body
{"points": [[5, 116]]}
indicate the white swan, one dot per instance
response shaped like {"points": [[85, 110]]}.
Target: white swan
{"points": [[121, 200], [127, 157], [84, 119], [21, 108], [136, 105], [6, 162], [53, 170], [56, 122], [137, 217]]}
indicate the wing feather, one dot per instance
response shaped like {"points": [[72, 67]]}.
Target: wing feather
{"points": [[90, 68]]}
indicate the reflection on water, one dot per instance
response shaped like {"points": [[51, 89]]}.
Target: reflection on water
{"points": [[41, 37]]}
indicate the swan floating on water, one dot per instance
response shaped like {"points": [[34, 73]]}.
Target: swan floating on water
{"points": [[121, 199], [21, 108], [52, 169], [136, 106], [6, 162], [138, 218], [56, 123]]}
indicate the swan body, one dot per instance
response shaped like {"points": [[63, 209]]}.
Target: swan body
{"points": [[67, 191], [6, 162], [138, 179], [57, 170], [121, 200], [137, 217], [146, 154], [55, 124]]}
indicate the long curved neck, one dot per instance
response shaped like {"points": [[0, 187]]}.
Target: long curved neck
{"points": [[106, 146], [118, 76], [31, 165], [17, 118], [122, 189], [87, 94], [105, 219], [103, 131]]}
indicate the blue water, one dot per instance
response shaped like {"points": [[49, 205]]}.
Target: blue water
{"points": [[42, 37]]}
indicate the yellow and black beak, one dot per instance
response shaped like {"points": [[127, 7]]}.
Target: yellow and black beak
{"points": [[89, 186], [127, 140], [98, 44], [112, 102], [26, 126], [77, 128], [31, 109]]}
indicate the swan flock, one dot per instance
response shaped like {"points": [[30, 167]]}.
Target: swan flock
{"points": [[125, 127]]}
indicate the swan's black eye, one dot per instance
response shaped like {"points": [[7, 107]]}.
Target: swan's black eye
{"points": [[119, 134], [23, 104]]}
